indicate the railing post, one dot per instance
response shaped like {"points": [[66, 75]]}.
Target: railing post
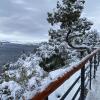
{"points": [[96, 62], [94, 65], [98, 57], [46, 98], [82, 96], [90, 72], [82, 83]]}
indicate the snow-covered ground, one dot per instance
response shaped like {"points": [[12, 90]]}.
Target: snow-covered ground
{"points": [[64, 87], [25, 77], [94, 93], [22, 84]]}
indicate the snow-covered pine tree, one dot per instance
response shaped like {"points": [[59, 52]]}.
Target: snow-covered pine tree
{"points": [[91, 38], [68, 25]]}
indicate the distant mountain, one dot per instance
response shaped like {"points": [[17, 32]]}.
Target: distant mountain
{"points": [[10, 52]]}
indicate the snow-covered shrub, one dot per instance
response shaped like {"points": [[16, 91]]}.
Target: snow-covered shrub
{"points": [[91, 38], [25, 75], [53, 56], [52, 63], [6, 67], [6, 92]]}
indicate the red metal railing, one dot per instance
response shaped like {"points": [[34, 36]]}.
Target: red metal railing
{"points": [[43, 95]]}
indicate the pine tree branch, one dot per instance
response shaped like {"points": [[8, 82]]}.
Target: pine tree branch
{"points": [[68, 40]]}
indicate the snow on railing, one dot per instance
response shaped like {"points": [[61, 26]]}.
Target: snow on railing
{"points": [[94, 57]]}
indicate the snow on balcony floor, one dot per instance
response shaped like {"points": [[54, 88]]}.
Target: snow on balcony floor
{"points": [[94, 93]]}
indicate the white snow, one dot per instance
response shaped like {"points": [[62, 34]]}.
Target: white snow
{"points": [[36, 82], [26, 77], [64, 87], [94, 93], [13, 86]]}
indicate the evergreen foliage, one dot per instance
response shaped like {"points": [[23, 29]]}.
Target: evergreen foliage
{"points": [[52, 63], [91, 38], [65, 17]]}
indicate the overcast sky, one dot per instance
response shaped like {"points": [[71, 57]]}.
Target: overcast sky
{"points": [[25, 20]]}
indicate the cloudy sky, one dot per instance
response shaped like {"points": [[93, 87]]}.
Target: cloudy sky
{"points": [[25, 20]]}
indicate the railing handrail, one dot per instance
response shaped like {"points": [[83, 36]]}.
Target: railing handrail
{"points": [[41, 95]]}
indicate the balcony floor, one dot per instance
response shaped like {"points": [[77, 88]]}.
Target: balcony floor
{"points": [[94, 93]]}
